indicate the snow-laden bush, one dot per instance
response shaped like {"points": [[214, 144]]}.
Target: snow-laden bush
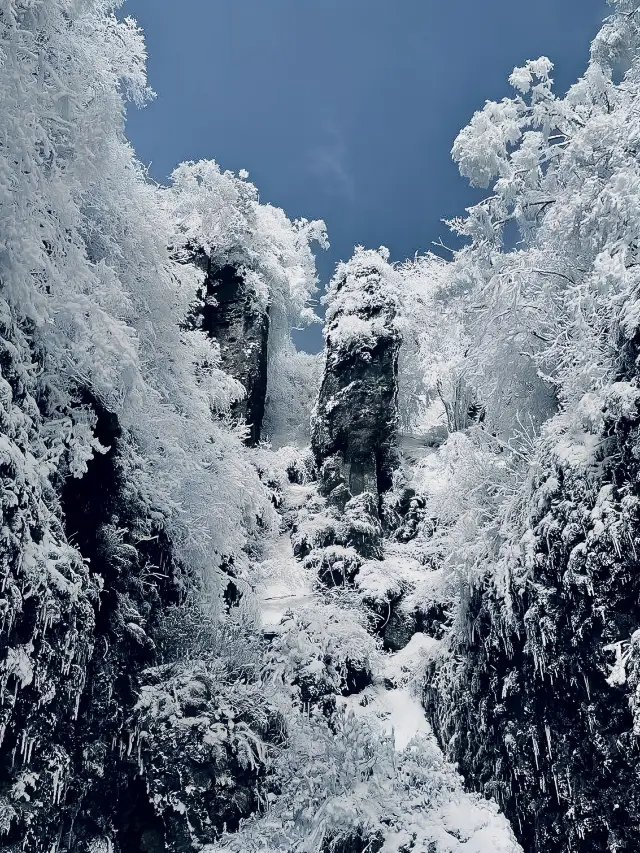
{"points": [[433, 343], [294, 381], [203, 745], [319, 654], [343, 787]]}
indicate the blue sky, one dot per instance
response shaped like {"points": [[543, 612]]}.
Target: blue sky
{"points": [[343, 110]]}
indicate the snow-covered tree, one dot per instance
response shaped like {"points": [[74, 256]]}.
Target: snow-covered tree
{"points": [[115, 431], [540, 492]]}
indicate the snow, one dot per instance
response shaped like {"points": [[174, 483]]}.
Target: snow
{"points": [[401, 666], [397, 709], [577, 448], [402, 715], [96, 303], [279, 597], [282, 583]]}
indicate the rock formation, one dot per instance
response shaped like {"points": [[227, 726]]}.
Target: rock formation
{"points": [[354, 432], [88, 586], [233, 315], [536, 712]]}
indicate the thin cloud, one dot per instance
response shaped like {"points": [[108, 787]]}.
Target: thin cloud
{"points": [[328, 162]]}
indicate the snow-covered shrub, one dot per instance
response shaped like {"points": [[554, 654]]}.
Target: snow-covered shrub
{"points": [[433, 345], [352, 792], [321, 653], [334, 565], [299, 465], [203, 746], [334, 541], [362, 527], [294, 381], [315, 527], [186, 632]]}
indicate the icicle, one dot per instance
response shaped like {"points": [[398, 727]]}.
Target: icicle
{"points": [[555, 780], [569, 783], [548, 733], [616, 544], [535, 750], [586, 684], [23, 744], [55, 783]]}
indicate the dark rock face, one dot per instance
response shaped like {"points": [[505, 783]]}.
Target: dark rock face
{"points": [[48, 602], [355, 426], [231, 314], [81, 629], [530, 714], [79, 642]]}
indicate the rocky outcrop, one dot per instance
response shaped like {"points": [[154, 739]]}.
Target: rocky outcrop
{"points": [[48, 604], [354, 431], [87, 584], [537, 710], [233, 315], [79, 608], [355, 425]]}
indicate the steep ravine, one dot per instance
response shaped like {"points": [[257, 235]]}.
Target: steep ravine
{"points": [[160, 730]]}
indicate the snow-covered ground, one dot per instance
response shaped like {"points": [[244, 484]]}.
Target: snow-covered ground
{"points": [[330, 786], [285, 585], [397, 709]]}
